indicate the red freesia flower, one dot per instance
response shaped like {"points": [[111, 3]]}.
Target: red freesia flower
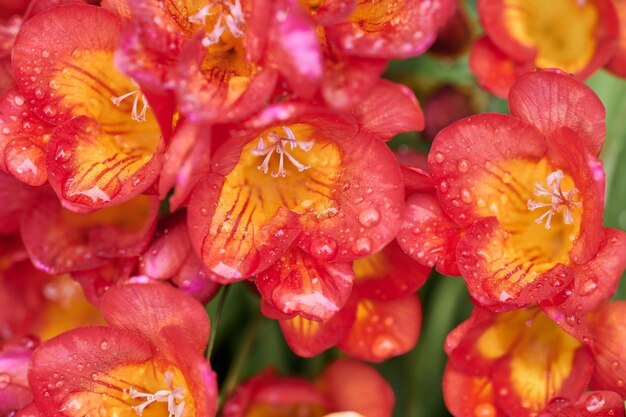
{"points": [[15, 393], [519, 201], [42, 306], [106, 144], [346, 387], [301, 175], [512, 364], [381, 320], [150, 359], [576, 37]]}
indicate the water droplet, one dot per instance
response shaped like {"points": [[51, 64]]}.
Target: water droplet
{"points": [[5, 379], [443, 187], [466, 196], [323, 248], [49, 111], [369, 217], [384, 346], [594, 403], [589, 286], [104, 345], [439, 157], [484, 410], [506, 177], [18, 100], [39, 93], [62, 155], [463, 165], [571, 320], [45, 54], [6, 130], [362, 246]]}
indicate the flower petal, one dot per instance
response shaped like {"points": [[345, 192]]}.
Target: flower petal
{"points": [[381, 29], [351, 385], [468, 395], [73, 242], [300, 283], [608, 330], [551, 100], [428, 235], [384, 121], [384, 329], [145, 309], [23, 139], [309, 338], [388, 274], [493, 69], [16, 198]]}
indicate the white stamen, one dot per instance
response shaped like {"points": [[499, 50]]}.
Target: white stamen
{"points": [[558, 199], [168, 396], [138, 116], [279, 144], [231, 17]]}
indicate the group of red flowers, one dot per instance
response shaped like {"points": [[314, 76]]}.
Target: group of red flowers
{"points": [[153, 151]]}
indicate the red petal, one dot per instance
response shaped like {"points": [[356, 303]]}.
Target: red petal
{"points": [[446, 105], [473, 148], [609, 331], [186, 160], [72, 242], [294, 49], [200, 379], [494, 70], [205, 92], [428, 235], [617, 64], [416, 180], [59, 366], [495, 274], [566, 150], [384, 329], [370, 200], [145, 309], [384, 121], [23, 139], [348, 79], [309, 338], [16, 198], [88, 167], [301, 284], [232, 252], [351, 385], [551, 100], [468, 395], [388, 274], [392, 30], [590, 404]]}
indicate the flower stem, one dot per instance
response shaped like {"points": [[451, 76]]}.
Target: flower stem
{"points": [[216, 320], [234, 373]]}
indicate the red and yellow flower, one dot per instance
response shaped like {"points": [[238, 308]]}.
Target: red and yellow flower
{"points": [[519, 201], [346, 388], [512, 364], [148, 361], [86, 124], [382, 318], [576, 37]]}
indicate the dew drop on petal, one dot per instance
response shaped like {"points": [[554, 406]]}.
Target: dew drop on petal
{"points": [[323, 248], [439, 157], [484, 410], [589, 286], [362, 246], [463, 165], [594, 403], [369, 217], [104, 345], [5, 379], [18, 100]]}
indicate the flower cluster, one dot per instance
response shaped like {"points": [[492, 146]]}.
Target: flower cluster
{"points": [[155, 152]]}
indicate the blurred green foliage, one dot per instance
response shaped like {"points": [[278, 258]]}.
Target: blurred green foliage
{"points": [[247, 343]]}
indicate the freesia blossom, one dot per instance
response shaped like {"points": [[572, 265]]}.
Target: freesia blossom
{"points": [[347, 388], [522, 219], [148, 359], [576, 37]]}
